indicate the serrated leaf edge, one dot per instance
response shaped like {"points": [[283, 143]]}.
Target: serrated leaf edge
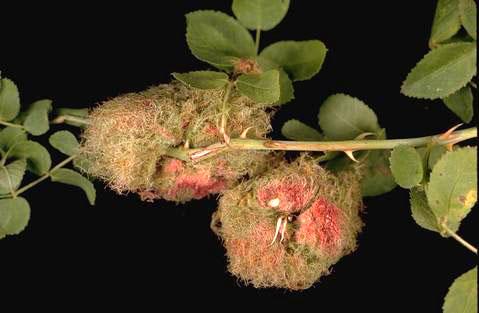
{"points": [[218, 65], [430, 98]]}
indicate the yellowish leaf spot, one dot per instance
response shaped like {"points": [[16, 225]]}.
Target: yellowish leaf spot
{"points": [[470, 198]]}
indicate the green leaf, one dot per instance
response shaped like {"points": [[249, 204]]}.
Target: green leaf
{"points": [[286, 88], [452, 188], [81, 113], [421, 212], [9, 100], [377, 178], [38, 158], [65, 142], [10, 136], [375, 169], [285, 84], [446, 21], [203, 79], [406, 166], [462, 295], [70, 177], [343, 117], [11, 176], [468, 16], [296, 130], [36, 121], [442, 71], [424, 155], [300, 59], [460, 103], [75, 112], [260, 14], [14, 215], [435, 154], [217, 38], [262, 88]]}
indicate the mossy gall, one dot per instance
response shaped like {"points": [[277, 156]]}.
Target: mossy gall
{"points": [[287, 227], [128, 137]]}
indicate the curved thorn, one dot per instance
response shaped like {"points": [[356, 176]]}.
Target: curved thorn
{"points": [[364, 135], [448, 133], [350, 155], [245, 132], [278, 226], [283, 230], [226, 138]]}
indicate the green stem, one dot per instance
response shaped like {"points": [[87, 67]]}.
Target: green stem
{"points": [[257, 40], [347, 145], [45, 176], [70, 118], [11, 124], [224, 104], [177, 153], [354, 145], [459, 239]]}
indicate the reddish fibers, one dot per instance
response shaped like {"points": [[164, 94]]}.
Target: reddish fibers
{"points": [[148, 195], [257, 249], [199, 184], [292, 194], [173, 166], [211, 129], [319, 226]]}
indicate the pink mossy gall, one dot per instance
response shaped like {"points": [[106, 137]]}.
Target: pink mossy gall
{"points": [[182, 181], [286, 228], [286, 194], [128, 137]]}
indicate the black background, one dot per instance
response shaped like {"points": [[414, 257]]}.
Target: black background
{"points": [[125, 251]]}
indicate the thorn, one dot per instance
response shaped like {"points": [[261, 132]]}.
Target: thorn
{"points": [[364, 135], [245, 132], [283, 230], [448, 133], [226, 138], [448, 136], [278, 227], [187, 144], [350, 155]]}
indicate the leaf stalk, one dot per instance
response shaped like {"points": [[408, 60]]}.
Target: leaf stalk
{"points": [[459, 239], [11, 124], [45, 176], [70, 118]]}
